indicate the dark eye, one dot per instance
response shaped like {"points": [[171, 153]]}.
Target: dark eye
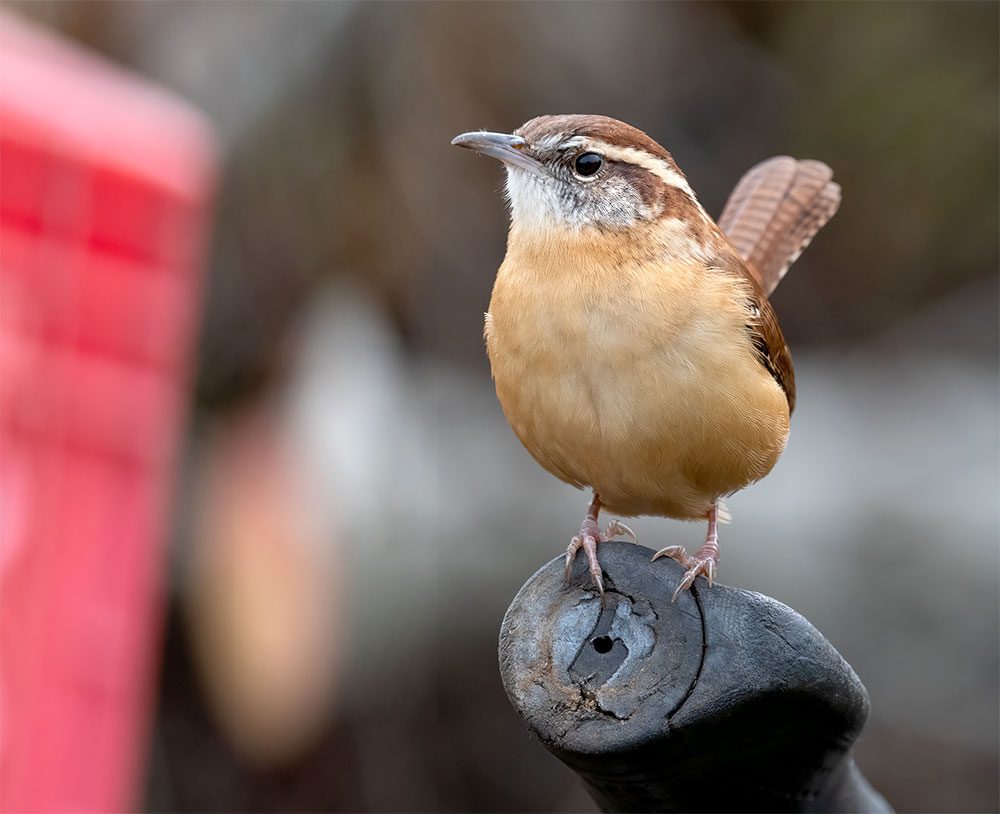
{"points": [[588, 163]]}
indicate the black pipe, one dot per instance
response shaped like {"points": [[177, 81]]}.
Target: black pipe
{"points": [[726, 700]]}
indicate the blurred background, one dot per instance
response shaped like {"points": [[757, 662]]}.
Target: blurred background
{"points": [[351, 515]]}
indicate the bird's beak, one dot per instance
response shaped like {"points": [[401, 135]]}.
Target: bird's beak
{"points": [[507, 148]]}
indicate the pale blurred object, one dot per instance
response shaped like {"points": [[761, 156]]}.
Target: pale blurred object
{"points": [[103, 201], [263, 598]]}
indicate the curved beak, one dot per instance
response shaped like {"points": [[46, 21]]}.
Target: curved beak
{"points": [[506, 148]]}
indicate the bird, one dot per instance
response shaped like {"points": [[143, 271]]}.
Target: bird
{"points": [[632, 344]]}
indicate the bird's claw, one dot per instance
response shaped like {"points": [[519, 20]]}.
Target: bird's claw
{"points": [[696, 567], [704, 568], [587, 539], [588, 542], [616, 529]]}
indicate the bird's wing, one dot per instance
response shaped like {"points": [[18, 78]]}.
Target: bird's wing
{"points": [[775, 211], [763, 330], [771, 349]]}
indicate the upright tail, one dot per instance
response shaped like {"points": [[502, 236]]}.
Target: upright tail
{"points": [[775, 211]]}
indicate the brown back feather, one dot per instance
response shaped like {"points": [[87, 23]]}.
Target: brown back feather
{"points": [[775, 211], [763, 330]]}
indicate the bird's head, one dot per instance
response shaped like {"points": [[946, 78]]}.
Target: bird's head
{"points": [[579, 171]]}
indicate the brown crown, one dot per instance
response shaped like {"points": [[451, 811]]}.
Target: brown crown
{"points": [[603, 128]]}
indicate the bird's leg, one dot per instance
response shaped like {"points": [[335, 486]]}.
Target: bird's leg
{"points": [[588, 538], [705, 559]]}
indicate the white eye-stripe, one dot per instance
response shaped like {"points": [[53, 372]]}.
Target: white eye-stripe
{"points": [[630, 155]]}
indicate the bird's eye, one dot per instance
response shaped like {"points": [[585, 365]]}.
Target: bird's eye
{"points": [[587, 164]]}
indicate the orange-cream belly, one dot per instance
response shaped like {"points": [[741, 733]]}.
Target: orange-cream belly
{"points": [[652, 398]]}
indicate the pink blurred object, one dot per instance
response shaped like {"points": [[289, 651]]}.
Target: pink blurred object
{"points": [[104, 188]]}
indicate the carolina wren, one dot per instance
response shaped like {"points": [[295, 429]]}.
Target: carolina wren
{"points": [[633, 346]]}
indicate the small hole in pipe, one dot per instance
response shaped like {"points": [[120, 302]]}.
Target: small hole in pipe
{"points": [[603, 644]]}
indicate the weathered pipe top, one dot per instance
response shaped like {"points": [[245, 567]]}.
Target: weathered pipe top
{"points": [[726, 700]]}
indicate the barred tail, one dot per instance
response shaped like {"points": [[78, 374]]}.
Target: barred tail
{"points": [[775, 211]]}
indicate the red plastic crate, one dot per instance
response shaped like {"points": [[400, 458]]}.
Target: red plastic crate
{"points": [[104, 188]]}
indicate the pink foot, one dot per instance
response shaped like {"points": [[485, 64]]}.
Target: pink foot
{"points": [[588, 538], [704, 562]]}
